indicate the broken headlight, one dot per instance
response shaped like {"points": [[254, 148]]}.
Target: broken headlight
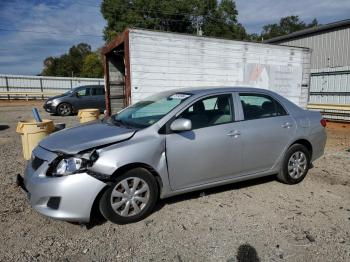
{"points": [[69, 166], [72, 165]]}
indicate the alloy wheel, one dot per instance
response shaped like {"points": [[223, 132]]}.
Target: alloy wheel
{"points": [[64, 109]]}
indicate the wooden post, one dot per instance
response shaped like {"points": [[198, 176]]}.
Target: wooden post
{"points": [[7, 87], [41, 88]]}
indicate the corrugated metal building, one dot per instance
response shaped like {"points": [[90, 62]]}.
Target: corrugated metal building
{"points": [[330, 66]]}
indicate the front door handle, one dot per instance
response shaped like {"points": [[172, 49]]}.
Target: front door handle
{"points": [[234, 133], [286, 125]]}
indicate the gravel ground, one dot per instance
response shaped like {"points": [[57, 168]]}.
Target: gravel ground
{"points": [[259, 220]]}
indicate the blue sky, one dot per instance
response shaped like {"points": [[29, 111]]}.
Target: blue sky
{"points": [[31, 30]]}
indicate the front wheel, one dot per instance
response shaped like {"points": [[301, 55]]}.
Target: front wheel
{"points": [[131, 197], [295, 165], [64, 109]]}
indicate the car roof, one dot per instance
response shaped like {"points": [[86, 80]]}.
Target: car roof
{"points": [[96, 85], [215, 89], [202, 91]]}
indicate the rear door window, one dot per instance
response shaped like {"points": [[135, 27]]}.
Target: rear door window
{"points": [[256, 106], [98, 91]]}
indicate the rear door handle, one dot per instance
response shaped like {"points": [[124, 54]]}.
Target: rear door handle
{"points": [[286, 125], [234, 133]]}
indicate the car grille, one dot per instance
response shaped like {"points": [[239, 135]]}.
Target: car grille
{"points": [[36, 163]]}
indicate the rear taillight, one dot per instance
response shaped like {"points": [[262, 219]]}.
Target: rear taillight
{"points": [[323, 122]]}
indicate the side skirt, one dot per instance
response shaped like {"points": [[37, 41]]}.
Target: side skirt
{"points": [[217, 183]]}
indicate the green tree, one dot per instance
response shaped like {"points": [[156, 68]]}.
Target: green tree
{"points": [[92, 66], [50, 66], [221, 21], [73, 62], [214, 18], [285, 26], [76, 56]]}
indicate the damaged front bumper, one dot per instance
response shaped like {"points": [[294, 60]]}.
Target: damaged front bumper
{"points": [[68, 198]]}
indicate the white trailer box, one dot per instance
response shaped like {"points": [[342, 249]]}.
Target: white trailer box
{"points": [[139, 63]]}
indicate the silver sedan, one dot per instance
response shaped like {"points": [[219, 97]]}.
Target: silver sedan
{"points": [[171, 143]]}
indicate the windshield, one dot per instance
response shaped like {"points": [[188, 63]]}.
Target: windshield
{"points": [[68, 92], [75, 89], [149, 111]]}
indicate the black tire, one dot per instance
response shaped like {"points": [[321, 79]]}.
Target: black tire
{"points": [[284, 176], [105, 202], [64, 109]]}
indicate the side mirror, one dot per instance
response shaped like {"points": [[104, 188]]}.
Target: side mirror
{"points": [[76, 94], [181, 124]]}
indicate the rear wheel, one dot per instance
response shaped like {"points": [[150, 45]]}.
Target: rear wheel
{"points": [[64, 109], [130, 198], [295, 165]]}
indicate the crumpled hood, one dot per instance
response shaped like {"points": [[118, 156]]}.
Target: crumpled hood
{"points": [[76, 139]]}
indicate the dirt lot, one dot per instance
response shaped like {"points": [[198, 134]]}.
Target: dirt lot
{"points": [[261, 219]]}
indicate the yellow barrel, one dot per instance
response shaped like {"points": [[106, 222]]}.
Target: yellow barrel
{"points": [[90, 114], [32, 133]]}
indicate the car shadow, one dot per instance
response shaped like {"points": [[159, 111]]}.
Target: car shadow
{"points": [[98, 219], [212, 191], [55, 114], [4, 127]]}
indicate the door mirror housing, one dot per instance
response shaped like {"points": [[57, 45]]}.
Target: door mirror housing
{"points": [[181, 124], [76, 94]]}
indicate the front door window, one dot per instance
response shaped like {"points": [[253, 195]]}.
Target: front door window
{"points": [[84, 92], [210, 111]]}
